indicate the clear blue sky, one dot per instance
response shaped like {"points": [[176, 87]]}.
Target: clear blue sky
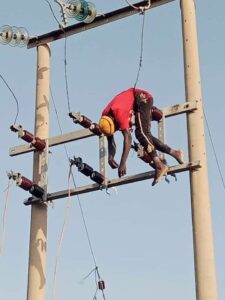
{"points": [[141, 236]]}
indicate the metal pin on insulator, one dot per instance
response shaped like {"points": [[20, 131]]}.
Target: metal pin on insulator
{"points": [[101, 285], [38, 143], [97, 177], [85, 169], [95, 129], [37, 191], [24, 183], [76, 161]]}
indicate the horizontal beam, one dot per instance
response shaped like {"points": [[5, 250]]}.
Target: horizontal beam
{"points": [[54, 141], [119, 181], [84, 133], [179, 109], [100, 20]]}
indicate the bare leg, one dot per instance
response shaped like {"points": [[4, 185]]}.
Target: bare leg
{"points": [[178, 155], [160, 171]]}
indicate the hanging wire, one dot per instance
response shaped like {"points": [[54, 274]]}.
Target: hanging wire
{"points": [[66, 217], [66, 77], [214, 151], [53, 14], [142, 47], [79, 202], [6, 201], [17, 102]]}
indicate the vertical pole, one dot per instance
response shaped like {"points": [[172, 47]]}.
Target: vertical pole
{"points": [[38, 227], [205, 274]]}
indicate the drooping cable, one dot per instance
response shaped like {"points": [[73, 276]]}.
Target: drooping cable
{"points": [[66, 217], [142, 47], [79, 202], [17, 102], [66, 77], [6, 201], [214, 151], [53, 14]]}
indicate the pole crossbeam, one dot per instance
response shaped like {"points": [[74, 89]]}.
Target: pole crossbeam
{"points": [[115, 182], [100, 20], [84, 133]]}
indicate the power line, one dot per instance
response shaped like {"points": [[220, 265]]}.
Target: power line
{"points": [[214, 151], [17, 102]]}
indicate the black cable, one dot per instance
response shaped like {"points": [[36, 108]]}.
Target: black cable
{"points": [[214, 151], [142, 47], [17, 103], [66, 78]]}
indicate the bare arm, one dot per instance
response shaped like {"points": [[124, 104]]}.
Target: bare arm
{"points": [[111, 152]]}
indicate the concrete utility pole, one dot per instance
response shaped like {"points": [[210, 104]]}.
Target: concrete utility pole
{"points": [[38, 229], [201, 216]]}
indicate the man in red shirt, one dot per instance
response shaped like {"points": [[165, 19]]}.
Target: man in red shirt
{"points": [[118, 116]]}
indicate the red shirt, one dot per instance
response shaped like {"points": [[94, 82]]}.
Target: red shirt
{"points": [[121, 107]]}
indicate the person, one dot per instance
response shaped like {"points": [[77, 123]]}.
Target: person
{"points": [[117, 115]]}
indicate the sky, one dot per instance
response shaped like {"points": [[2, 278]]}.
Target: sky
{"points": [[141, 236]]}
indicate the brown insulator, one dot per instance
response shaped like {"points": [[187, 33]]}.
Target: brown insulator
{"points": [[38, 143]]}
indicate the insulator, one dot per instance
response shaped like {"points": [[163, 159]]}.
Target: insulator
{"points": [[37, 191], [73, 8], [85, 169], [95, 129], [14, 36], [97, 177], [101, 285], [24, 183], [5, 34], [26, 136], [38, 143], [92, 12], [86, 13], [85, 122]]}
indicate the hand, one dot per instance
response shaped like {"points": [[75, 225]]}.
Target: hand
{"points": [[113, 164], [122, 170]]}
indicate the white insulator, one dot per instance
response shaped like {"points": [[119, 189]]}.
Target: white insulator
{"points": [[92, 12], [73, 8], [5, 34]]}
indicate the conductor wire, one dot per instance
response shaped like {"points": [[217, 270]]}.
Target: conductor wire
{"points": [[142, 47], [17, 102], [6, 200]]}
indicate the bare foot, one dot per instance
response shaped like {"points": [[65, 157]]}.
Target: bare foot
{"points": [[159, 173], [179, 156]]}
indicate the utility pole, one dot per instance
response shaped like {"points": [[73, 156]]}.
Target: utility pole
{"points": [[38, 228], [201, 215]]}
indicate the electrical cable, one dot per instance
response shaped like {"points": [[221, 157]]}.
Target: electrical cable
{"points": [[66, 77], [142, 47], [6, 201], [17, 102], [62, 235], [214, 151], [79, 202]]}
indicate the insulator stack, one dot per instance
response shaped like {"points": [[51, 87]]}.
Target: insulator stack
{"points": [[14, 36], [38, 143], [95, 129], [85, 169], [26, 136], [82, 11], [85, 122], [97, 177], [101, 285], [37, 191], [24, 183]]}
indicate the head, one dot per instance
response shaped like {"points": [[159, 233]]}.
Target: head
{"points": [[107, 125]]}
